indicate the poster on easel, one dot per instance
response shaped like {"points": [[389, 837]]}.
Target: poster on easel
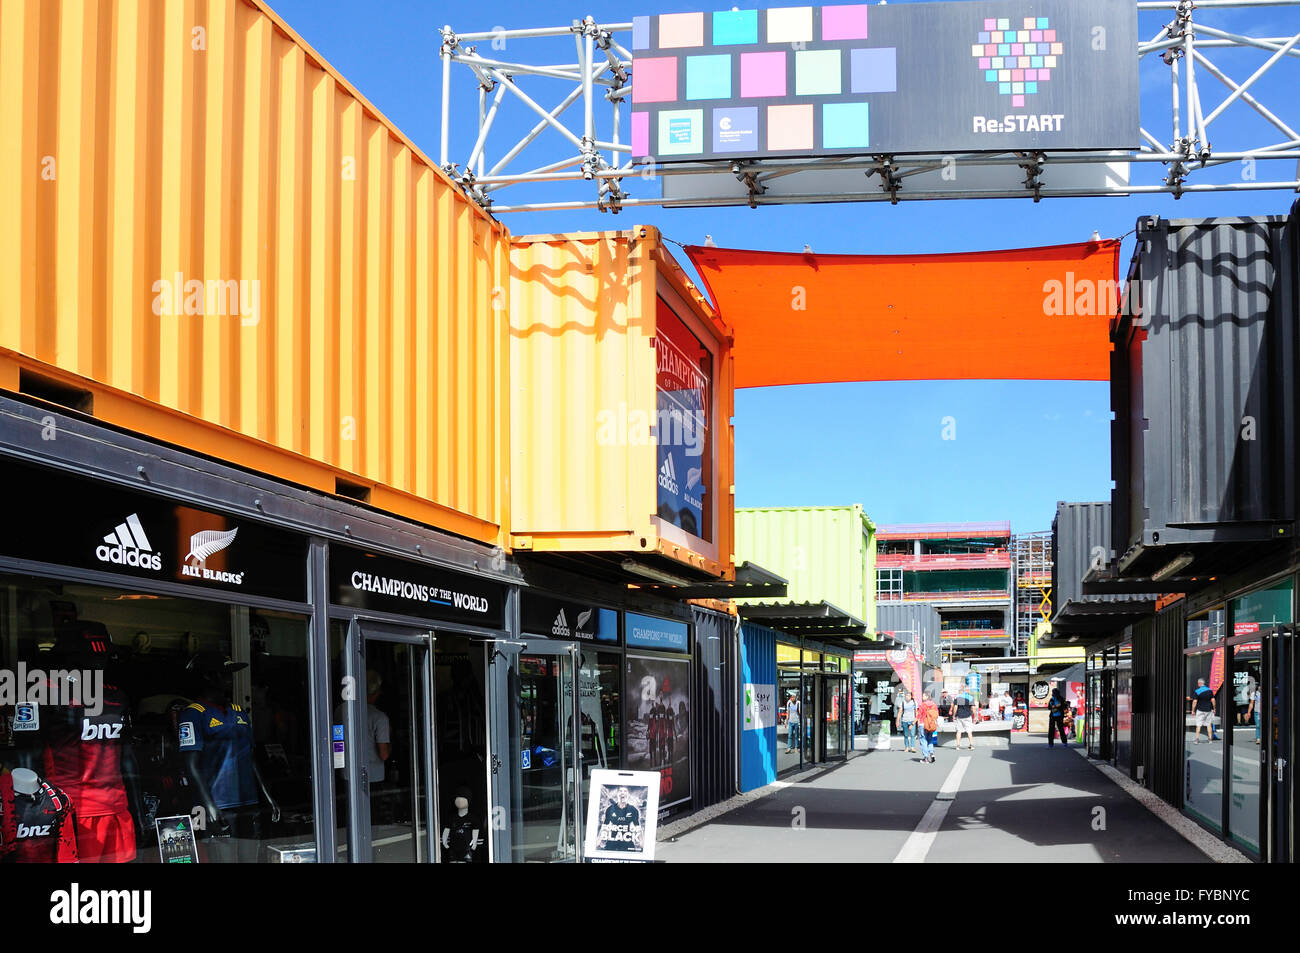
{"points": [[622, 816]]}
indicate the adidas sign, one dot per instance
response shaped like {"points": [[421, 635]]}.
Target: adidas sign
{"points": [[668, 476], [128, 545], [560, 626]]}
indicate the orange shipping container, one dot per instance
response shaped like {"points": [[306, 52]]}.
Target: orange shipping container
{"points": [[208, 237], [616, 362]]}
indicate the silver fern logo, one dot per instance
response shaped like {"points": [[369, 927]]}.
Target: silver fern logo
{"points": [[205, 544], [209, 542]]}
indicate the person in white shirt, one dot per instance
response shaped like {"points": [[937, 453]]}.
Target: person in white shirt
{"points": [[792, 737]]}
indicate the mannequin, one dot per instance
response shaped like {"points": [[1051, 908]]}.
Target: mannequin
{"points": [[88, 756], [37, 824], [216, 742], [461, 840]]}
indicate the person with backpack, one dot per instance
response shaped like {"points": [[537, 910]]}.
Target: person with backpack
{"points": [[963, 712], [927, 716]]}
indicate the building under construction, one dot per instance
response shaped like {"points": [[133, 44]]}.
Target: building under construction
{"points": [[1031, 561]]}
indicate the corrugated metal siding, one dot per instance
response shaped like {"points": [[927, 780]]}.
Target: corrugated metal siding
{"points": [[1080, 534], [146, 141], [920, 618], [1216, 343], [1158, 726], [824, 551], [715, 709], [758, 667], [581, 354]]}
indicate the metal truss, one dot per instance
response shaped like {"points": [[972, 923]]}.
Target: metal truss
{"points": [[603, 70]]}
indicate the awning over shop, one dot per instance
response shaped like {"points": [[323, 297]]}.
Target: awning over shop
{"points": [[817, 620], [1018, 314]]}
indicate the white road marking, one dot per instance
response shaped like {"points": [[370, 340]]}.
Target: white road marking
{"points": [[920, 840]]}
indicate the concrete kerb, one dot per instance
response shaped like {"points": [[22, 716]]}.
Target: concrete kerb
{"points": [[1209, 845], [709, 814]]}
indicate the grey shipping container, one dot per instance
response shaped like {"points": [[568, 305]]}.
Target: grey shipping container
{"points": [[1203, 389], [916, 623], [1081, 540]]}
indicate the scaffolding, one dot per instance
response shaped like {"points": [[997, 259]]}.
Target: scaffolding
{"points": [[1031, 561]]}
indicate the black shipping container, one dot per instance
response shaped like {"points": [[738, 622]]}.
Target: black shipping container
{"points": [[1081, 541], [1203, 389]]}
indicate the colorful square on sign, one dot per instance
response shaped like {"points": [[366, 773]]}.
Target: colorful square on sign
{"points": [[817, 73], [708, 77], [844, 23], [640, 135], [844, 126], [761, 74], [678, 30], [681, 132], [654, 79], [735, 27], [735, 129], [640, 33], [873, 71], [790, 25], [790, 128]]}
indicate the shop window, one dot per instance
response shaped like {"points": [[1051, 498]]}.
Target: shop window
{"points": [[1202, 721], [183, 735]]}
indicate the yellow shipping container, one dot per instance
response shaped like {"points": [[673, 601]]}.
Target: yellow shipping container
{"points": [[587, 311], [208, 237]]}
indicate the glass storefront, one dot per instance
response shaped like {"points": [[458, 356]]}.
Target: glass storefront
{"points": [[165, 727], [1256, 617], [1202, 754]]}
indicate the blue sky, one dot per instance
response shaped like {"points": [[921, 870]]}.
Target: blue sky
{"points": [[1020, 445]]}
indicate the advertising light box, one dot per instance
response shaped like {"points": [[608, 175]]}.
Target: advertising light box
{"points": [[902, 78]]}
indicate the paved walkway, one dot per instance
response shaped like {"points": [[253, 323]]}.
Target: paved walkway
{"points": [[1024, 804]]}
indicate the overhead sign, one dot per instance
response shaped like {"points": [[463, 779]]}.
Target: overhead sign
{"points": [[71, 521], [648, 632], [902, 78], [562, 619], [368, 581]]}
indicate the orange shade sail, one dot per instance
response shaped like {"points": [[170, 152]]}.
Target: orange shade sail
{"points": [[1017, 314]]}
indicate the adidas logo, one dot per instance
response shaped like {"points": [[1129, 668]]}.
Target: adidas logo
{"points": [[668, 475], [561, 626], [128, 545]]}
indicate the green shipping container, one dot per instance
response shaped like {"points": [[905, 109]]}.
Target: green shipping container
{"points": [[827, 552]]}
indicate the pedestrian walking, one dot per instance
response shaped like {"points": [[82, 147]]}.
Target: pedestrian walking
{"points": [[962, 711], [906, 709], [1056, 711], [1202, 700], [927, 716], [792, 723]]}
